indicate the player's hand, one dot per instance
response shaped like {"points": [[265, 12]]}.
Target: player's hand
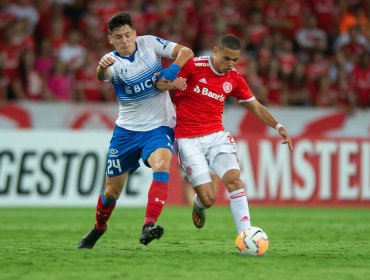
{"points": [[179, 83], [286, 137], [106, 61], [169, 73]]}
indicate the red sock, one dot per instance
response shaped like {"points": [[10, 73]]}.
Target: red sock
{"points": [[103, 213], [157, 197]]}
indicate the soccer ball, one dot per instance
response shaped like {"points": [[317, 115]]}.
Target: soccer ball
{"points": [[252, 241]]}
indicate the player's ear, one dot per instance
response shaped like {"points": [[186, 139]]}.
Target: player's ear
{"points": [[215, 51]]}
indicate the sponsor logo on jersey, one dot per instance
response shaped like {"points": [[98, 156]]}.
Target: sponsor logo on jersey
{"points": [[203, 80], [227, 87], [148, 83], [207, 92], [196, 89], [201, 64]]}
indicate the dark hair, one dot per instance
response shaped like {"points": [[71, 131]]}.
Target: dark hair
{"points": [[118, 20], [229, 41]]}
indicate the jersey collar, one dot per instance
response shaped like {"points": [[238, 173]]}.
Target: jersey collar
{"points": [[210, 59], [131, 58]]}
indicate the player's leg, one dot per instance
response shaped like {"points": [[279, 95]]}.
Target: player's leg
{"points": [[227, 167], [157, 154], [215, 182], [188, 189], [104, 208], [107, 199], [193, 162], [205, 197], [123, 157], [160, 161]]}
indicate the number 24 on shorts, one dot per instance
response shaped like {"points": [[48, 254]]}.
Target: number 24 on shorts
{"points": [[113, 163]]}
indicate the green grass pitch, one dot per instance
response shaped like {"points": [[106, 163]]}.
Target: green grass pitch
{"points": [[305, 243]]}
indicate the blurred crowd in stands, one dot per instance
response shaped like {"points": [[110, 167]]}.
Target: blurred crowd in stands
{"points": [[295, 52]]}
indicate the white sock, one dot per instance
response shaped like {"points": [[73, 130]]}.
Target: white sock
{"points": [[197, 202], [240, 209]]}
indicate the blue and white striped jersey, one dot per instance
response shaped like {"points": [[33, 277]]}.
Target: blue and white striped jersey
{"points": [[141, 106]]}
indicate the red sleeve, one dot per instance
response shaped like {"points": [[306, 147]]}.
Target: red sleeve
{"points": [[242, 91]]}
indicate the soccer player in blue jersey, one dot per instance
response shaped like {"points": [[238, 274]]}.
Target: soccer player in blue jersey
{"points": [[144, 127]]}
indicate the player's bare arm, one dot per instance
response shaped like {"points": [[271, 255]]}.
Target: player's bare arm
{"points": [[265, 116], [182, 55], [102, 72]]}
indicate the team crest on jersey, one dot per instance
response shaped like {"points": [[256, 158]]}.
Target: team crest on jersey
{"points": [[227, 87]]}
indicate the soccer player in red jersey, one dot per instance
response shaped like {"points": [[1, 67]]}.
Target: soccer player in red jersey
{"points": [[203, 85]]}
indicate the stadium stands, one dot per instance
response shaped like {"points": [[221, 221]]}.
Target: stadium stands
{"points": [[297, 52]]}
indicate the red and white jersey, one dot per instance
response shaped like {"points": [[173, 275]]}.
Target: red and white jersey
{"points": [[200, 107]]}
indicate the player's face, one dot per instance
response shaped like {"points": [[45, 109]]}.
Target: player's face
{"points": [[225, 59], [123, 40]]}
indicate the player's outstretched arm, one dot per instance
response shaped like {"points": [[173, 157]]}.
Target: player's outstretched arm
{"points": [[265, 116]]}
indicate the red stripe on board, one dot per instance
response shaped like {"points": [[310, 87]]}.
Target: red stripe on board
{"points": [[324, 125], [16, 114]]}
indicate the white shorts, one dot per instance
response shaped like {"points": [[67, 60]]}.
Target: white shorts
{"points": [[216, 151]]}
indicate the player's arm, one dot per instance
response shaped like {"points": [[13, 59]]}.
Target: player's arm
{"points": [[265, 116], [103, 72], [181, 54]]}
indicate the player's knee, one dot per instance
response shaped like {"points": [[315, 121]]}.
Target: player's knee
{"points": [[111, 193], [160, 160], [161, 166], [234, 184], [208, 200]]}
